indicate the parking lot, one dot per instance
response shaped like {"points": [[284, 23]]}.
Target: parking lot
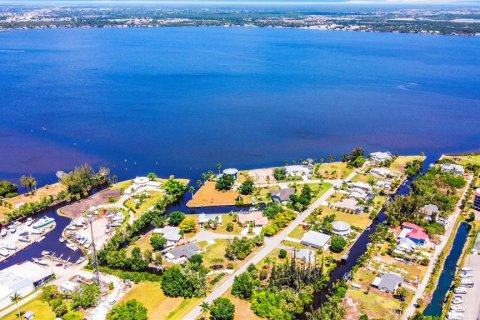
{"points": [[472, 307]]}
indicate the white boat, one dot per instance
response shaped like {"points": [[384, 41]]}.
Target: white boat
{"points": [[40, 239], [466, 269], [457, 308], [12, 228], [80, 260], [71, 227], [87, 244], [42, 222], [24, 239], [460, 290], [4, 252], [36, 231], [457, 300], [45, 253], [454, 316], [61, 239], [40, 261], [467, 282], [29, 221], [71, 246], [3, 233], [10, 246]]}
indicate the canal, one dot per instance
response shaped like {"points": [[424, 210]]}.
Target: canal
{"points": [[448, 273]]}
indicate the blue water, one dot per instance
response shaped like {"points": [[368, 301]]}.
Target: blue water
{"points": [[180, 100], [444, 283]]}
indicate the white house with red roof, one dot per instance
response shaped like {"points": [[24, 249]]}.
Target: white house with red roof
{"points": [[414, 233]]}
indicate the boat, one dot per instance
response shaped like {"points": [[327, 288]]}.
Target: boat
{"points": [[10, 246], [71, 246], [87, 244], [80, 260], [40, 239], [42, 222], [4, 252], [457, 308], [460, 290], [61, 239], [29, 221], [71, 227], [12, 228], [457, 300], [3, 233], [24, 239], [40, 261], [45, 253], [36, 231]]}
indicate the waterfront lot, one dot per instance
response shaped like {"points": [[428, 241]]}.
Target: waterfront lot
{"points": [[77, 209], [398, 165], [207, 195], [46, 191], [333, 170]]}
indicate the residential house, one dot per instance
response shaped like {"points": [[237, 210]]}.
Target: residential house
{"points": [[283, 195], [306, 255], [380, 157], [68, 287], [204, 218], [389, 282], [415, 233], [297, 170], [231, 171], [361, 185], [381, 172], [350, 204], [315, 239], [256, 218], [182, 253], [452, 168], [341, 228], [406, 245], [431, 211], [171, 234]]}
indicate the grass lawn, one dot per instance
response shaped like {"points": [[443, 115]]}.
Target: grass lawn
{"points": [[334, 170], [143, 243], [207, 195], [122, 185], [41, 310], [464, 159], [222, 228], [400, 162], [297, 233], [296, 245], [159, 306], [363, 177], [358, 220], [154, 197]]}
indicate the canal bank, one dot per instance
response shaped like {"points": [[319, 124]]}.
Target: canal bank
{"points": [[448, 272]]}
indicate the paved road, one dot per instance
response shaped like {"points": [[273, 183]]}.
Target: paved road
{"points": [[472, 307], [438, 249], [270, 244]]}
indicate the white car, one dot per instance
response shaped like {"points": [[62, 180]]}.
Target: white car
{"points": [[460, 290], [467, 282], [457, 308], [457, 300]]}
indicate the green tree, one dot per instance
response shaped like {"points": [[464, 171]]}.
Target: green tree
{"points": [[130, 310], [225, 182], [280, 173], [8, 189], [282, 254], [158, 242], [243, 285], [247, 187], [28, 182], [222, 309], [151, 176], [176, 217], [188, 225], [337, 243], [219, 167], [175, 188], [85, 296]]}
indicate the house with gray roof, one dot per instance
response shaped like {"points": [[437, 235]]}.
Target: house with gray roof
{"points": [[283, 195], [388, 282], [182, 253], [452, 168], [315, 239], [431, 211]]}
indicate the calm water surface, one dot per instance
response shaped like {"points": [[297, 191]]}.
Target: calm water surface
{"points": [[179, 100]]}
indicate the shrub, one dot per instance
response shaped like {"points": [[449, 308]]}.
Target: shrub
{"points": [[337, 243], [282, 254]]}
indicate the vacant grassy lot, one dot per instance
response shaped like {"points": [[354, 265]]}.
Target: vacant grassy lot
{"points": [[358, 220], [242, 308], [297, 233], [400, 162], [41, 310], [122, 185], [222, 228], [334, 170], [159, 306], [153, 198], [207, 195]]}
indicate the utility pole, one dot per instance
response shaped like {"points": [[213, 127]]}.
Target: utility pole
{"points": [[95, 261]]}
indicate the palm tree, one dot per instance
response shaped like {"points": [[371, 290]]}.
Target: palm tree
{"points": [[199, 183], [191, 190], [205, 307], [331, 158], [204, 177], [28, 182], [219, 167], [115, 178], [15, 298]]}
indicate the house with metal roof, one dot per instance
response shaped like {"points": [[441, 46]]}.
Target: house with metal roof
{"points": [[380, 157], [341, 228], [413, 232], [315, 239], [452, 168], [388, 282]]}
